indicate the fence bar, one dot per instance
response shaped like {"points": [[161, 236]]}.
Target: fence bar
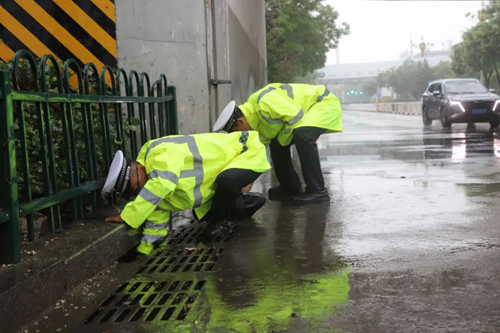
{"points": [[31, 115], [10, 233]]}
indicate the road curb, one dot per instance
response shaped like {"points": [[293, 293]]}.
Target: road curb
{"points": [[25, 300]]}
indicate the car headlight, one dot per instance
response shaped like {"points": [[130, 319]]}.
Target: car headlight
{"points": [[459, 104], [496, 104]]}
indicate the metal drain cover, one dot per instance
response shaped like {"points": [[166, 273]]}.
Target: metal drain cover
{"points": [[167, 285]]}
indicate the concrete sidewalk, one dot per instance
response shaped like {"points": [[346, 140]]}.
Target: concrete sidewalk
{"points": [[55, 264]]}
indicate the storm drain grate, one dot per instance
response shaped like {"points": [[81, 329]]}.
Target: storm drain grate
{"points": [[182, 260], [191, 235], [148, 301]]}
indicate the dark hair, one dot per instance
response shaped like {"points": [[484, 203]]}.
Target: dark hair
{"points": [[237, 113]]}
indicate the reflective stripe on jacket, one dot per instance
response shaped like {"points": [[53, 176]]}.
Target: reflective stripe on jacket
{"points": [[277, 109], [182, 170]]}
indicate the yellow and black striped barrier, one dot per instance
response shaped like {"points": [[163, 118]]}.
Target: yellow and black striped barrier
{"points": [[84, 30]]}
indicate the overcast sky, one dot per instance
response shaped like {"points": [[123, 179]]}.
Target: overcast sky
{"points": [[381, 30]]}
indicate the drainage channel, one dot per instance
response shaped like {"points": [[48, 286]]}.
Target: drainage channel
{"points": [[167, 285]]}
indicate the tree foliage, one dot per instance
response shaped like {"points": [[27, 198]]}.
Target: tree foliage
{"points": [[411, 79], [299, 34], [478, 50]]}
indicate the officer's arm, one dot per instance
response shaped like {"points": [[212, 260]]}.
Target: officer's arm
{"points": [[282, 107], [165, 172]]}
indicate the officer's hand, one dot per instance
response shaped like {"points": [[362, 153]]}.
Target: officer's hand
{"points": [[114, 219], [247, 188]]}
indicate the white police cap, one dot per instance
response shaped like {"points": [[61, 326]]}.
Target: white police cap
{"points": [[226, 119], [118, 175]]}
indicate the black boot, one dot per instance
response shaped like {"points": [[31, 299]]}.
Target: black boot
{"points": [[312, 198], [280, 193]]}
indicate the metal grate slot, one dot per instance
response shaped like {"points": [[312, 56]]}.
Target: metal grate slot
{"points": [[210, 251], [204, 259], [93, 316], [191, 298], [183, 260], [164, 299], [198, 267], [186, 285], [150, 261], [173, 286], [160, 286], [209, 267], [138, 315], [164, 268], [140, 270], [153, 269], [150, 299], [152, 314], [178, 299], [176, 268], [161, 261], [107, 316], [200, 251], [123, 315], [187, 268], [194, 259], [184, 311], [200, 285], [122, 300], [108, 301], [168, 314], [136, 299], [134, 287], [147, 286], [172, 260], [120, 288]]}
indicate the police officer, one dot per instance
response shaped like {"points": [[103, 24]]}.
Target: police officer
{"points": [[203, 172], [286, 114]]}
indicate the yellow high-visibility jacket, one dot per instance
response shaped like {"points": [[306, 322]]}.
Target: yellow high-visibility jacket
{"points": [[182, 170], [277, 109]]}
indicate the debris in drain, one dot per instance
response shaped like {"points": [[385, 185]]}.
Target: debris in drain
{"points": [[294, 315]]}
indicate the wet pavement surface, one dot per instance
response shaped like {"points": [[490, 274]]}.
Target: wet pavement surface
{"points": [[410, 242]]}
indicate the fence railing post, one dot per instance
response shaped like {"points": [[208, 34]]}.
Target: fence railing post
{"points": [[10, 233], [173, 127]]}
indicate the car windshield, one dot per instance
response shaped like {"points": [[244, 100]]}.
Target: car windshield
{"points": [[465, 87]]}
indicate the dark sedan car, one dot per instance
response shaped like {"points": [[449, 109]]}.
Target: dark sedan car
{"points": [[460, 101]]}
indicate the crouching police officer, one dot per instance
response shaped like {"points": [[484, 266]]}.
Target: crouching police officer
{"points": [[286, 114], [202, 172]]}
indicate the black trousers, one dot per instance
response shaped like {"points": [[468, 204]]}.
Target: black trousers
{"points": [[229, 203], [304, 139]]}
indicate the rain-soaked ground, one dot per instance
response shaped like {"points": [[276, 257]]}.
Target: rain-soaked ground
{"points": [[410, 242]]}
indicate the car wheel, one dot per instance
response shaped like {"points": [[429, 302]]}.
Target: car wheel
{"points": [[445, 121], [425, 117]]}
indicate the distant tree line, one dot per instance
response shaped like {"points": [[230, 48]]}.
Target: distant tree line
{"points": [[411, 79]]}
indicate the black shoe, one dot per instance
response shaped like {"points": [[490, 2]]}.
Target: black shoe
{"points": [[216, 229], [279, 193], [312, 198], [253, 202]]}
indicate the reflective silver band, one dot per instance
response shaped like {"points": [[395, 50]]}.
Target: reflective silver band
{"points": [[150, 196], [297, 118], [152, 238], [167, 175], [270, 120], [289, 90], [326, 93], [154, 226], [262, 94], [197, 172]]}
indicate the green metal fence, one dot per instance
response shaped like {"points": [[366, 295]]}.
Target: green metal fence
{"points": [[98, 112]]}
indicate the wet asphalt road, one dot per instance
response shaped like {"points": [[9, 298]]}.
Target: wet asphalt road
{"points": [[409, 243]]}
